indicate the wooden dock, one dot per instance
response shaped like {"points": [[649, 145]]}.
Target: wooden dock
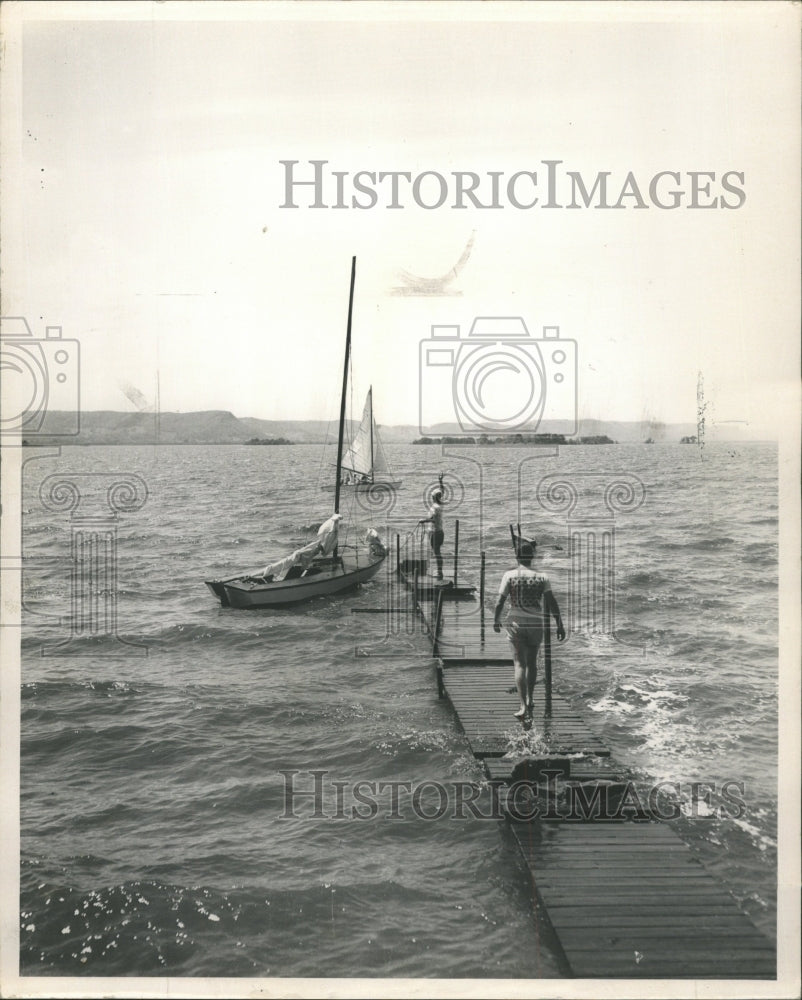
{"points": [[429, 589], [629, 900], [623, 893], [484, 701]]}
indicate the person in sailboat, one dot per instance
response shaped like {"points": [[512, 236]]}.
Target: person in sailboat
{"points": [[434, 528], [327, 535], [323, 545], [531, 602]]}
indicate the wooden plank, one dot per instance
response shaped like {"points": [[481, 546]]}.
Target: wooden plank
{"points": [[614, 866], [714, 950], [604, 936], [573, 834], [565, 834], [676, 867], [623, 963], [652, 883], [699, 963], [566, 911], [498, 746], [633, 901], [603, 897], [455, 656], [636, 870], [651, 879], [484, 701], [663, 923], [619, 854], [500, 769], [615, 846], [609, 852], [615, 890], [556, 833], [623, 892], [722, 955], [673, 969]]}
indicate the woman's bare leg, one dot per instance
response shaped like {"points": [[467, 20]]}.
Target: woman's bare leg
{"points": [[531, 673], [519, 659]]}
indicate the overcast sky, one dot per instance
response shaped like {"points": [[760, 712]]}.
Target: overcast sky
{"points": [[146, 189]]}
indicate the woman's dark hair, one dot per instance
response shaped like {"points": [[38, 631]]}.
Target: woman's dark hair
{"points": [[525, 551]]}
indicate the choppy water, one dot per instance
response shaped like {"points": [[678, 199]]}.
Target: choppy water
{"points": [[151, 794]]}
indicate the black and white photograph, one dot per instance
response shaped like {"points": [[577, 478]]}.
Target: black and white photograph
{"points": [[400, 450]]}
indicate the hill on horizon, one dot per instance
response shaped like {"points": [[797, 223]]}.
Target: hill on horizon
{"points": [[223, 427]]}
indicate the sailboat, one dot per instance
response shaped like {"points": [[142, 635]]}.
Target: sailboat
{"points": [[365, 463], [316, 569]]}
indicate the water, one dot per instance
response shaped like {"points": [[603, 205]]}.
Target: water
{"points": [[151, 794]]}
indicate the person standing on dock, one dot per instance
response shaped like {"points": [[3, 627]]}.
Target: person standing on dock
{"points": [[434, 527], [531, 601]]}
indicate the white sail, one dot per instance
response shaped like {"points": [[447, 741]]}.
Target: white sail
{"points": [[380, 463], [359, 457], [366, 455]]}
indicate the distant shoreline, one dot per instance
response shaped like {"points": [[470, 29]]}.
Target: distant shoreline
{"points": [[521, 439], [215, 427]]}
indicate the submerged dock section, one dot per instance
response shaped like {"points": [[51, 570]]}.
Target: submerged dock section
{"points": [[623, 893]]}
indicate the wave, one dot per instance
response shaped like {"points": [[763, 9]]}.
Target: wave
{"points": [[692, 544], [260, 629], [398, 744], [56, 689], [644, 578], [106, 740], [156, 927]]}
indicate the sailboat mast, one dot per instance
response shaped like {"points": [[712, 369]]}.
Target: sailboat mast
{"points": [[370, 397], [345, 390]]}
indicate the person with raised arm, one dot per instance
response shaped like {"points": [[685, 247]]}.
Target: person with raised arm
{"points": [[434, 527]]}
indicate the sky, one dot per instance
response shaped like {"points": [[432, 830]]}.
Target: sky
{"points": [[144, 185]]}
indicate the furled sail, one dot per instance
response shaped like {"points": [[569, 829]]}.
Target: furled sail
{"points": [[323, 545]]}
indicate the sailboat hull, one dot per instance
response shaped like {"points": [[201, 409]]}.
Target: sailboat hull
{"points": [[250, 592]]}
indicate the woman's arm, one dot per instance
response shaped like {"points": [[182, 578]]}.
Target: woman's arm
{"points": [[497, 613], [553, 607]]}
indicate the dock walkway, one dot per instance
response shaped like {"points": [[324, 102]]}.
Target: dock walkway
{"points": [[624, 894]]}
